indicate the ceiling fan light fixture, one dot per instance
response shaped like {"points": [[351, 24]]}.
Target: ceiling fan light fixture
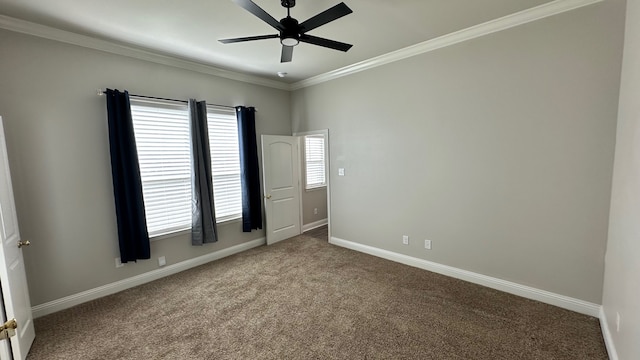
{"points": [[291, 32], [289, 41]]}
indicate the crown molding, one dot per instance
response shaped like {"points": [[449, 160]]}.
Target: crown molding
{"points": [[489, 27], [30, 28], [506, 22]]}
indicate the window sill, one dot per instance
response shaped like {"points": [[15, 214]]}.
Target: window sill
{"points": [[170, 234], [176, 233], [315, 188]]}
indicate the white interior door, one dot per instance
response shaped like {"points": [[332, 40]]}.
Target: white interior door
{"points": [[12, 274], [281, 184]]}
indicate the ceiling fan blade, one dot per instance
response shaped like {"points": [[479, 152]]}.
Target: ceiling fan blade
{"points": [[287, 54], [256, 10], [248, 38], [331, 44], [326, 16]]}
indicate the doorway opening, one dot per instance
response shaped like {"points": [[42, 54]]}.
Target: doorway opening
{"points": [[314, 183]]}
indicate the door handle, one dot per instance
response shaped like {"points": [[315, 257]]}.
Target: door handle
{"points": [[23, 243], [8, 329], [268, 197]]}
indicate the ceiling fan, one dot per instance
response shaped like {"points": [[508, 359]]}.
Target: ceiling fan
{"points": [[291, 33]]}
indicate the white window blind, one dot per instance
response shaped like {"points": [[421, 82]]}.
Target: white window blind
{"points": [[163, 142], [225, 162], [314, 161]]}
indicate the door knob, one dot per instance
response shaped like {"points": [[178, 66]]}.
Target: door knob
{"points": [[268, 197], [23, 243]]}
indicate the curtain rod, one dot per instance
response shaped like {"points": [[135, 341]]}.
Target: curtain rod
{"points": [[103, 92]]}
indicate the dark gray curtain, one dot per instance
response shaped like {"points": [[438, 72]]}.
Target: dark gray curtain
{"points": [[250, 173], [203, 217], [133, 237]]}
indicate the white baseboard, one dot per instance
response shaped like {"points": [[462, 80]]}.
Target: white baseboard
{"points": [[112, 288], [314, 225], [606, 334], [528, 292]]}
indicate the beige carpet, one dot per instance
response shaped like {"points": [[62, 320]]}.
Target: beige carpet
{"points": [[305, 299]]}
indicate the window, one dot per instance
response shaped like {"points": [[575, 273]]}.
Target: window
{"points": [[164, 151], [225, 162], [314, 161]]}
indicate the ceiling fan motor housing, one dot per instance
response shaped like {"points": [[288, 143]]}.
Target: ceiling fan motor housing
{"points": [[291, 28]]}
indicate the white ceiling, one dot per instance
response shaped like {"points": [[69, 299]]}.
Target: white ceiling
{"points": [[190, 29]]}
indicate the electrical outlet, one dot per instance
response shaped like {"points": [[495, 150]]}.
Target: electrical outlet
{"points": [[119, 263], [315, 211], [617, 321], [405, 239], [427, 244], [162, 261]]}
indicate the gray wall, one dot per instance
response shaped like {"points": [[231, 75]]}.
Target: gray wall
{"points": [[622, 263], [499, 149], [58, 150], [314, 199]]}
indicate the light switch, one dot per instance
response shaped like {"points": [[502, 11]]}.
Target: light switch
{"points": [[341, 172]]}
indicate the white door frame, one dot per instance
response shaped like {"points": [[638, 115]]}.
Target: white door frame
{"points": [[327, 166], [5, 346]]}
